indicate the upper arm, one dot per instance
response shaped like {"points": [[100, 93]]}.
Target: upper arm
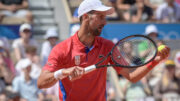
{"points": [[55, 60]]}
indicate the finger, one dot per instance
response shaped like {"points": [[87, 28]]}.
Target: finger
{"points": [[81, 70]]}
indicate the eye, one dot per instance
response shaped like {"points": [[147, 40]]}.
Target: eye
{"points": [[102, 17]]}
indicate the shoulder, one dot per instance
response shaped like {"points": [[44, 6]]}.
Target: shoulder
{"points": [[46, 44], [16, 42], [62, 47]]}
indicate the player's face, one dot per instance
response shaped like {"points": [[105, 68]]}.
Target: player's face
{"points": [[97, 22]]}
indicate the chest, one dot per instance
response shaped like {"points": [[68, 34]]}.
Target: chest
{"points": [[79, 57]]}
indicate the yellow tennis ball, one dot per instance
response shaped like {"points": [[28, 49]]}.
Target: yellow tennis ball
{"points": [[161, 47]]}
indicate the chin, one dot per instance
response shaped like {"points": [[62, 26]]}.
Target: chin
{"points": [[97, 33]]}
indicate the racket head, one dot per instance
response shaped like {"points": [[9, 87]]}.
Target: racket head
{"points": [[134, 51]]}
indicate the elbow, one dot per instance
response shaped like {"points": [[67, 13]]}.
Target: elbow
{"points": [[133, 80]]}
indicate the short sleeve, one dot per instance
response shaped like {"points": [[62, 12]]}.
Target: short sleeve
{"points": [[54, 60], [15, 44], [118, 69]]}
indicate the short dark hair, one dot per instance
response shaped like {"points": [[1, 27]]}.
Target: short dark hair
{"points": [[30, 49]]}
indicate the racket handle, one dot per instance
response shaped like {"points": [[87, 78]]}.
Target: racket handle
{"points": [[89, 69]]}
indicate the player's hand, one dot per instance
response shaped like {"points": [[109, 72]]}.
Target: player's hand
{"points": [[163, 54], [73, 73]]}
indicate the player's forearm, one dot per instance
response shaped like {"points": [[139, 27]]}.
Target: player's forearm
{"points": [[140, 72], [46, 80]]}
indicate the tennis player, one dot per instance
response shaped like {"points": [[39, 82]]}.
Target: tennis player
{"points": [[70, 57]]}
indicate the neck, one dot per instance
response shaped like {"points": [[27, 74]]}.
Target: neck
{"points": [[25, 40], [86, 38], [27, 78]]}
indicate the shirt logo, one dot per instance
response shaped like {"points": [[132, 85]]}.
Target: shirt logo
{"points": [[77, 60]]}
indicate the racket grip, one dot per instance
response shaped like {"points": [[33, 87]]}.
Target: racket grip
{"points": [[90, 68]]}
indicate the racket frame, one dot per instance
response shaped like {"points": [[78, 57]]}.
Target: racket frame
{"points": [[116, 64]]}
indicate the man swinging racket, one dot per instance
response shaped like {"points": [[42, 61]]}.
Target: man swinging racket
{"points": [[70, 57]]}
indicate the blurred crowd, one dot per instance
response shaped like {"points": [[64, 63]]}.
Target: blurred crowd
{"points": [[20, 66], [161, 11], [22, 62]]}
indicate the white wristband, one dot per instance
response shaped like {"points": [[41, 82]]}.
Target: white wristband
{"points": [[58, 75]]}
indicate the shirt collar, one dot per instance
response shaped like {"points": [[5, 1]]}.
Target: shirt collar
{"points": [[76, 41]]}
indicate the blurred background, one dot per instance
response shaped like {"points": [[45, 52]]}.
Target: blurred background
{"points": [[29, 29]]}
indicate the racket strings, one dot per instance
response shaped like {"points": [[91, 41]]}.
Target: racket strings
{"points": [[133, 51]]}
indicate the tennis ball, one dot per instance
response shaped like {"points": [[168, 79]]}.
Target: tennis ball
{"points": [[161, 47]]}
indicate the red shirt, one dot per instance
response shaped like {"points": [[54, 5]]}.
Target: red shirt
{"points": [[71, 52]]}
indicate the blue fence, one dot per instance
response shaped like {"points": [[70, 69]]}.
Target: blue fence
{"points": [[118, 30], [166, 31], [9, 31], [111, 30]]}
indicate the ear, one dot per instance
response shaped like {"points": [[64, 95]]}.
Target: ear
{"points": [[85, 16]]}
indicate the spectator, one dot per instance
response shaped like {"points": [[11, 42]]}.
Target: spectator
{"points": [[155, 75], [132, 91], [177, 59], [154, 3], [16, 8], [6, 66], [6, 45], [141, 12], [25, 85], [168, 12], [36, 66], [116, 15], [24, 41], [2, 86], [168, 88], [177, 63], [52, 92], [124, 6], [151, 31], [51, 40]]}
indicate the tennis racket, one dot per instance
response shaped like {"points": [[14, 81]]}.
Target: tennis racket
{"points": [[130, 52]]}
